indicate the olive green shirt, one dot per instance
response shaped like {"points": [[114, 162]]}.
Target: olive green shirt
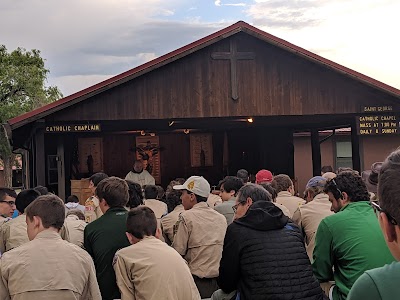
{"points": [[349, 242], [102, 238], [377, 284]]}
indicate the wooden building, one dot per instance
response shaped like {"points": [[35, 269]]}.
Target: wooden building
{"points": [[234, 99]]}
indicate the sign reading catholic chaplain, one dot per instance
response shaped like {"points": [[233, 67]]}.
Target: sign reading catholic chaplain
{"points": [[73, 128]]}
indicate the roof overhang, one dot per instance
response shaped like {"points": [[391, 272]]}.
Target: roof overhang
{"points": [[184, 51]]}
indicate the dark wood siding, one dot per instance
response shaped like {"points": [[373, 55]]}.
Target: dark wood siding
{"points": [[276, 82]]}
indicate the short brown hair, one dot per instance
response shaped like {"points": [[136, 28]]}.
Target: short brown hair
{"points": [[49, 208], [388, 187], [281, 182], [141, 222], [114, 191]]}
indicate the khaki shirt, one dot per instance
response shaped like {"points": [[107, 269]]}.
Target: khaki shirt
{"points": [[308, 217], [48, 268], [213, 200], [200, 238], [283, 208], [291, 202], [75, 228], [168, 223], [92, 209], [13, 233], [159, 207], [150, 269]]}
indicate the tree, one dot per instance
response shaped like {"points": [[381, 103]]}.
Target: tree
{"points": [[23, 78]]}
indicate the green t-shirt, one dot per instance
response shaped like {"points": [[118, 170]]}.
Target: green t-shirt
{"points": [[377, 284], [102, 238], [349, 242]]}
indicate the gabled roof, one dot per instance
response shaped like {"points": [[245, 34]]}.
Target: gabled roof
{"points": [[186, 50]]}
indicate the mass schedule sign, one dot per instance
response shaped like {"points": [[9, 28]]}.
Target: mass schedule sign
{"points": [[382, 120]]}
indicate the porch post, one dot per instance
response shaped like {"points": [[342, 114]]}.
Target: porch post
{"points": [[316, 152], [355, 147], [61, 167]]}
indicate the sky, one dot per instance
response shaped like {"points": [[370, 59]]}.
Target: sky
{"points": [[87, 41]]}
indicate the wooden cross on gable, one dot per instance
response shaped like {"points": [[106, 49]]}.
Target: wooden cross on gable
{"points": [[233, 56]]}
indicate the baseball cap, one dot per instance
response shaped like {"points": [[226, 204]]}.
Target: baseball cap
{"points": [[329, 175], [197, 185], [263, 176], [317, 181]]}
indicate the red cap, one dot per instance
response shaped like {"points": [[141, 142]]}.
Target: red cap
{"points": [[263, 176]]}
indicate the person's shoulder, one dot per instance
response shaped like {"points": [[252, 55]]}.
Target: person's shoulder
{"points": [[300, 200], [18, 252], [366, 287], [80, 254], [221, 207], [387, 273], [93, 226], [126, 251]]}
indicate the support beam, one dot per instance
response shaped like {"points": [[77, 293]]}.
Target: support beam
{"points": [[40, 158], [61, 167], [316, 152], [355, 147]]}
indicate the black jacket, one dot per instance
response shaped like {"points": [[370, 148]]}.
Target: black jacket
{"points": [[264, 257]]}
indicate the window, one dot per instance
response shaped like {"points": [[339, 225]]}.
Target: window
{"points": [[344, 158]]}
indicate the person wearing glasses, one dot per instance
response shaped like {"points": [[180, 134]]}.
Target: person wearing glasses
{"points": [[264, 255], [349, 242], [383, 283], [13, 233], [7, 203], [200, 234]]}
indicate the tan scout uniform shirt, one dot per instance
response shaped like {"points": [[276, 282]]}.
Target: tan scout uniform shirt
{"points": [[308, 217], [150, 269], [213, 200], [159, 207], [92, 209], [75, 228], [168, 223], [291, 202], [200, 238], [48, 268], [13, 233], [283, 208]]}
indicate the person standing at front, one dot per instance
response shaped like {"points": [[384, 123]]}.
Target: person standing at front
{"points": [[200, 234], [104, 236], [47, 267]]}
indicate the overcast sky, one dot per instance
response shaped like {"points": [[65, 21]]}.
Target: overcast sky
{"points": [[87, 41]]}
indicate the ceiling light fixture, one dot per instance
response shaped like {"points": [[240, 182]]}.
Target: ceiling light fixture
{"points": [[170, 123], [250, 120], [142, 132], [186, 131]]}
